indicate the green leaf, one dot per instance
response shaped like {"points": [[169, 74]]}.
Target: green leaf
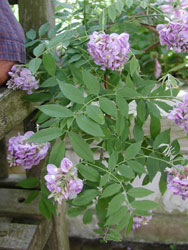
{"points": [[144, 205], [128, 92], [152, 165], [162, 138], [115, 204], [71, 92], [117, 217], [122, 105], [139, 192], [95, 114], [32, 196], [129, 3], [143, 4], [132, 150], [133, 65], [75, 211], [137, 167], [45, 135], [108, 106], [124, 221], [29, 183], [89, 173], [57, 154], [87, 218], [141, 111], [119, 6], [39, 49], [112, 12], [141, 212], [50, 82], [44, 209], [91, 82], [43, 29], [89, 126], [153, 110], [85, 197], [34, 65], [129, 226], [155, 126], [120, 124], [81, 147], [31, 34], [75, 58], [104, 180], [138, 132], [56, 110], [112, 161], [111, 190], [126, 171], [49, 63]]}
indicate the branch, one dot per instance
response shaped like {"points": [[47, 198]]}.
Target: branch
{"points": [[152, 46], [152, 28]]}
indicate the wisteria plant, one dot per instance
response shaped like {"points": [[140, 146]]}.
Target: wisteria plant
{"points": [[98, 61]]}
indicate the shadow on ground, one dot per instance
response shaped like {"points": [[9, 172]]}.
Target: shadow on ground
{"points": [[85, 244]]}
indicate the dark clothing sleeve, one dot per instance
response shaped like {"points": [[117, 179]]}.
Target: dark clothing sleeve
{"points": [[12, 40]]}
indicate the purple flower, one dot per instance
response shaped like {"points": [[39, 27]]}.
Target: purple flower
{"points": [[177, 180], [22, 78], [63, 182], [141, 220], [174, 11], [180, 114], [158, 69], [25, 153], [174, 35], [109, 51]]}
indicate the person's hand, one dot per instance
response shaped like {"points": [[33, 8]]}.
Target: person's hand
{"points": [[5, 67]]}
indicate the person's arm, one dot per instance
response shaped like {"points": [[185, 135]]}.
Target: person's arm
{"points": [[5, 67], [12, 41]]}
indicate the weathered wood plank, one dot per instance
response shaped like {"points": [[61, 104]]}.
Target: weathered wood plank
{"points": [[14, 236], [13, 109], [3, 160], [59, 240], [12, 180], [41, 236], [12, 204]]}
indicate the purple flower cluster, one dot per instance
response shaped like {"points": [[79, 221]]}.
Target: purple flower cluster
{"points": [[22, 78], [174, 11], [180, 114], [174, 35], [109, 51], [177, 180], [63, 182], [141, 220], [158, 69], [25, 153]]}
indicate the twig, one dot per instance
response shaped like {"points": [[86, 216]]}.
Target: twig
{"points": [[152, 46]]}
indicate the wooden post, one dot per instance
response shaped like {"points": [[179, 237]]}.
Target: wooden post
{"points": [[58, 239], [34, 13], [3, 160]]}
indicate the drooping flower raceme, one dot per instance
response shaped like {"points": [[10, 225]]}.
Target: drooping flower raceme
{"points": [[172, 10], [25, 153], [63, 182], [177, 180], [180, 113], [174, 35], [141, 220], [22, 78], [109, 51]]}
